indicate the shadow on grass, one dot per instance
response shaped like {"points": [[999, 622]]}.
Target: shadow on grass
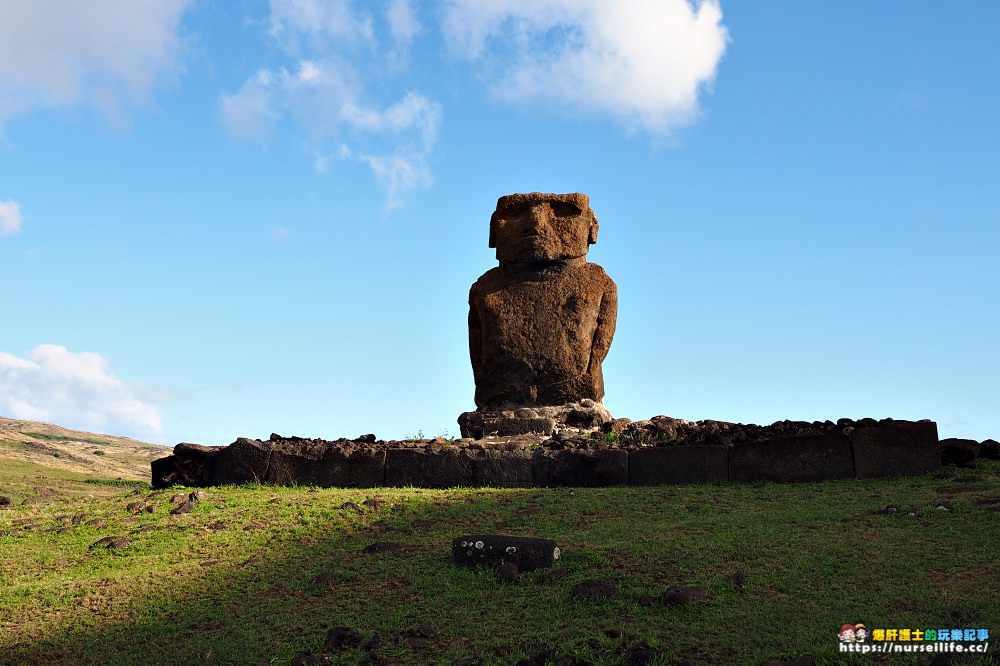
{"points": [[235, 580]]}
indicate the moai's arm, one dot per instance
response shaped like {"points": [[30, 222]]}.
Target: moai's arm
{"points": [[607, 317], [475, 336]]}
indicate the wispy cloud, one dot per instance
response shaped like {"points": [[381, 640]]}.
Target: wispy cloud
{"points": [[642, 62], [10, 217], [104, 55], [76, 390], [332, 52]]}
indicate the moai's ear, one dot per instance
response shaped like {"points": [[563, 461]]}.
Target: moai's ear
{"points": [[493, 230], [592, 235]]}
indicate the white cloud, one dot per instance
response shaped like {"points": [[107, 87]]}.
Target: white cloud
{"points": [[10, 217], [403, 23], [643, 62], [336, 54], [75, 390], [105, 55]]}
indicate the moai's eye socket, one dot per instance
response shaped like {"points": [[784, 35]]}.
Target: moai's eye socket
{"points": [[564, 209]]}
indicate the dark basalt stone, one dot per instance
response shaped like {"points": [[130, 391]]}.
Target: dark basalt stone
{"points": [[526, 553]]}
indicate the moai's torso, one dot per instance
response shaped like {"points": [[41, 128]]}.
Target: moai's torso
{"points": [[539, 331]]}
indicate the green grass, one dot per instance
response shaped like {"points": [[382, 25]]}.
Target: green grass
{"points": [[62, 438], [814, 555]]}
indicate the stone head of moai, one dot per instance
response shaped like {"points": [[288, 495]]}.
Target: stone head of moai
{"points": [[537, 228], [540, 323]]}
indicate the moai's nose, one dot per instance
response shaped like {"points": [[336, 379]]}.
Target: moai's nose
{"points": [[539, 214]]}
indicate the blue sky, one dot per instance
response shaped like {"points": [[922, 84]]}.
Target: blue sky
{"points": [[223, 219]]}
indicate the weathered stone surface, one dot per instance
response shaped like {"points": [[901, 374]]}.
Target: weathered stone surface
{"points": [[681, 594], [526, 553], [587, 468], [504, 469], [422, 468], [895, 448], [341, 463], [582, 416], [184, 468], [325, 465], [678, 464], [243, 461], [803, 458], [601, 588], [541, 323], [960, 452]]}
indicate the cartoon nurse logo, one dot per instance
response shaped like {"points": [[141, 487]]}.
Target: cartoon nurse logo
{"points": [[860, 633], [846, 633]]}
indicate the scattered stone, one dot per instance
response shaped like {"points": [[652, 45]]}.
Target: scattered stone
{"points": [[185, 507], [97, 522], [198, 495], [324, 579], [350, 505], [889, 508], [104, 542], [427, 630], [416, 642], [210, 564], [382, 547], [30, 501], [374, 503], [179, 499], [943, 506], [959, 452], [526, 553], [502, 651], [640, 654], [552, 574], [645, 600], [339, 637], [528, 511], [253, 527], [509, 572], [373, 644], [78, 518], [738, 578], [596, 589], [304, 659], [989, 448], [216, 526], [5, 501], [421, 524], [135, 507], [681, 594]]}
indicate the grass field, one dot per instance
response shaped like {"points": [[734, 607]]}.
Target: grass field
{"points": [[234, 581]]}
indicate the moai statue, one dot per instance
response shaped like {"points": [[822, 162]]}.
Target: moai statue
{"points": [[541, 323]]}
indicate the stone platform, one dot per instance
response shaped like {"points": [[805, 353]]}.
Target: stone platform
{"points": [[658, 451]]}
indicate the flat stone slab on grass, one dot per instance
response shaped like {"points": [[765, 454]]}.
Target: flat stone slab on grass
{"points": [[896, 448], [796, 459]]}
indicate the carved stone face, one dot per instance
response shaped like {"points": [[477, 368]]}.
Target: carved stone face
{"points": [[534, 228]]}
